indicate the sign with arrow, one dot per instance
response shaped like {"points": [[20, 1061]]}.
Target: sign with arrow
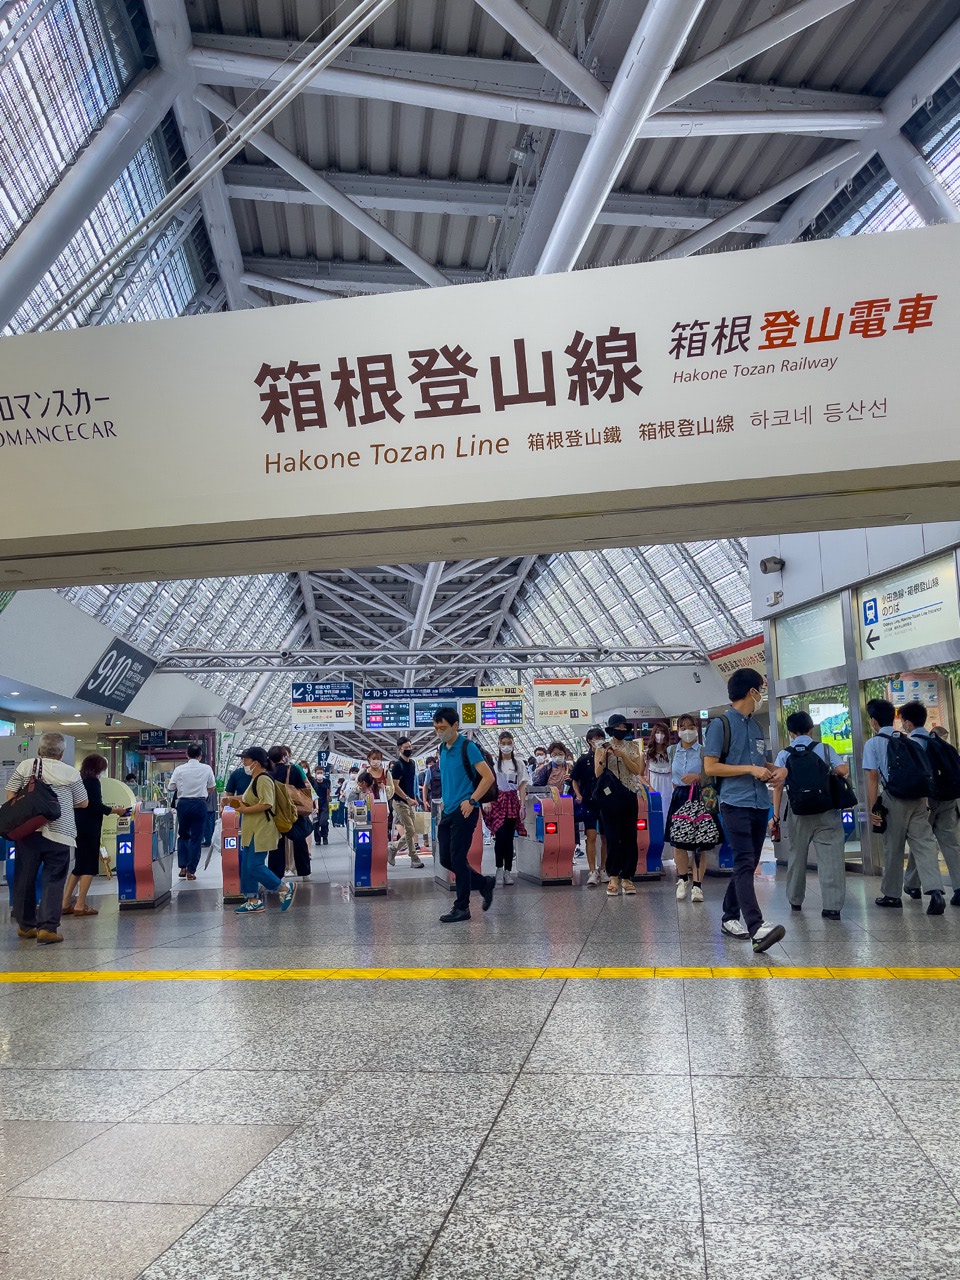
{"points": [[322, 706], [909, 609]]}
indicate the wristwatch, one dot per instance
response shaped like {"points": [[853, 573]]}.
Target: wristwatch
{"points": [[475, 803]]}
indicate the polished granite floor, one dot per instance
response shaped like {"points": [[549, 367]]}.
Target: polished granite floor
{"points": [[492, 1129]]}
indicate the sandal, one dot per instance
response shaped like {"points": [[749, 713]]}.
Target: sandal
{"points": [[67, 911], [85, 911]]}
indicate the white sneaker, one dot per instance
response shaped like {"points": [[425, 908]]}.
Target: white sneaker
{"points": [[696, 894], [508, 877], [604, 878], [499, 876], [767, 935], [735, 929], [593, 879], [579, 853], [681, 890]]}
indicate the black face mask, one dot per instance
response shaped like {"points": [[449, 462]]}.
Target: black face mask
{"points": [[406, 753], [619, 734]]}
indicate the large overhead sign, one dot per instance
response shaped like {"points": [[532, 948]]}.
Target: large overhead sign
{"points": [[909, 608], [389, 709], [322, 706], [415, 417], [565, 701], [117, 678]]}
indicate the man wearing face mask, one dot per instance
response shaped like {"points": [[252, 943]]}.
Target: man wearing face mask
{"points": [[741, 769], [404, 774], [466, 778]]}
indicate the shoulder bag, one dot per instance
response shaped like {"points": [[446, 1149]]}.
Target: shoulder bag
{"points": [[33, 808]]}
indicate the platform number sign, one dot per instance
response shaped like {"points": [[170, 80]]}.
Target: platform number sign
{"points": [[117, 678]]}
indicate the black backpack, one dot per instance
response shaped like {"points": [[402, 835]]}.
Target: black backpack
{"points": [[808, 781], [945, 763], [909, 775], [494, 792]]}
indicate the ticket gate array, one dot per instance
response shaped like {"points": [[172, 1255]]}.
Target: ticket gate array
{"points": [[545, 854], [444, 878], [650, 819], [145, 858], [369, 828]]}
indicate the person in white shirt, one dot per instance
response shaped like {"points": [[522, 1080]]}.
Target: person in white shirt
{"points": [[504, 816], [49, 847], [190, 784]]}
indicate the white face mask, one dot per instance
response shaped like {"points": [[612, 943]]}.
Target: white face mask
{"points": [[248, 770], [688, 736], [556, 760], [506, 751], [659, 737]]}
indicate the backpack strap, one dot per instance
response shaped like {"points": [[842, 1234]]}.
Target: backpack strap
{"points": [[468, 768], [726, 738]]}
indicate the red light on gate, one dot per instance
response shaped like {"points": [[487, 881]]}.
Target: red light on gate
{"points": [[641, 824], [550, 828]]}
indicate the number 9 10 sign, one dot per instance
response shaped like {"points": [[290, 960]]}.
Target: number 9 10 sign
{"points": [[117, 678]]}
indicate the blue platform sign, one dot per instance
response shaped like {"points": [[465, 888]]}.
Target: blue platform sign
{"points": [[451, 693]]}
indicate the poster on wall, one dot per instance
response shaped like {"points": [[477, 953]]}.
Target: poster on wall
{"points": [[910, 688], [833, 719], [562, 701], [910, 608]]}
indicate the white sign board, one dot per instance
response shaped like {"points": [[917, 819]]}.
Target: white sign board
{"points": [[562, 702], [640, 381], [909, 608], [735, 657], [810, 639], [322, 706], [925, 690]]}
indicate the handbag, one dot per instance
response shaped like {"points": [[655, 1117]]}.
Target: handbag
{"points": [[692, 825], [842, 794], [612, 797], [302, 800], [33, 808]]}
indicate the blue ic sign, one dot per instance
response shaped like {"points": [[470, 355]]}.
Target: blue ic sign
{"points": [[871, 613]]}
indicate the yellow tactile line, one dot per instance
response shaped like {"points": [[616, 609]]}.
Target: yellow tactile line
{"points": [[433, 975]]}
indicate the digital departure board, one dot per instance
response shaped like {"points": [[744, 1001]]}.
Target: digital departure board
{"points": [[501, 712], [390, 714], [423, 712]]}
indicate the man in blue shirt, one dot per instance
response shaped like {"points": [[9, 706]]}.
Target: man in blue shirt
{"points": [[744, 804], [944, 818], [824, 831], [908, 821], [462, 793]]}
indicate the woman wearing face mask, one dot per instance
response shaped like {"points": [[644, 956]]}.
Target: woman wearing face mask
{"points": [[259, 835], [504, 816], [687, 771], [623, 759], [554, 771], [657, 772]]}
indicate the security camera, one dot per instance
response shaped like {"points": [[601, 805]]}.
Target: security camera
{"points": [[771, 564]]}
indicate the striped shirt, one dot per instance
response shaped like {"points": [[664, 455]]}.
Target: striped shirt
{"points": [[70, 790]]}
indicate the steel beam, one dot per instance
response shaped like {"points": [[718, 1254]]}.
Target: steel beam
{"points": [[657, 42], [812, 201], [298, 169], [915, 178], [290, 289], [549, 52], [426, 596], [40, 241], [779, 191]]}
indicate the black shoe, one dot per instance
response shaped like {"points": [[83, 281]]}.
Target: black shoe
{"points": [[452, 917], [316, 842], [955, 900], [915, 894], [487, 893], [183, 873], [886, 901], [830, 915], [796, 906], [937, 904]]}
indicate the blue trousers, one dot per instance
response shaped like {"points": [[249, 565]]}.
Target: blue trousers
{"points": [[191, 815], [254, 871], [746, 830]]}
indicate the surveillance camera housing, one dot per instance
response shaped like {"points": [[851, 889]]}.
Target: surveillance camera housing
{"points": [[771, 564]]}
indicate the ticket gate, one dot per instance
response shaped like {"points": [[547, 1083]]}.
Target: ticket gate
{"points": [[649, 836], [444, 878], [146, 850], [545, 853], [230, 856], [369, 827]]}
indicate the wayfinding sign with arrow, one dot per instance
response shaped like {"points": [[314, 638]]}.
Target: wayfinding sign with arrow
{"points": [[909, 609]]}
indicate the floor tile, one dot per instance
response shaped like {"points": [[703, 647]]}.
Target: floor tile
{"points": [[83, 1240], [181, 1050], [457, 1098], [609, 1052], [753, 1106], [169, 1164], [83, 1095], [343, 1164], [242, 1097], [943, 1150], [518, 1246], [651, 1175], [831, 1251], [300, 1244], [924, 1106], [774, 1052], [27, 1146], [589, 1104], [825, 1178]]}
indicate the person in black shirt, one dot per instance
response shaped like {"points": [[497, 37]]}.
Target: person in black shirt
{"points": [[404, 774], [321, 787], [284, 771], [86, 863], [583, 779]]}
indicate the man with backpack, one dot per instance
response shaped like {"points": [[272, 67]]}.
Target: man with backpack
{"points": [[812, 819], [466, 778], [431, 788], [902, 767], [944, 818]]}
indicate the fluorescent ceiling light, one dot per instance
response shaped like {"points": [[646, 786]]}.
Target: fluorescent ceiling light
{"points": [[75, 724]]}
